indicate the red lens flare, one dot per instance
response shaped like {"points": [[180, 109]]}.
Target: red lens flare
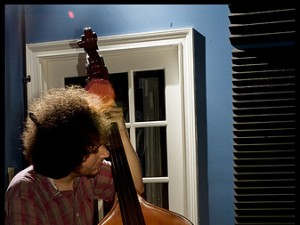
{"points": [[71, 15], [102, 88]]}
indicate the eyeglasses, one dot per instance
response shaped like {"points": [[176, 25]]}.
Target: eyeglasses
{"points": [[92, 149]]}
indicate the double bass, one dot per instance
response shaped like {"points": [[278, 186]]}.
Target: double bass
{"points": [[129, 207]]}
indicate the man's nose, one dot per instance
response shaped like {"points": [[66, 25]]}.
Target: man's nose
{"points": [[103, 152]]}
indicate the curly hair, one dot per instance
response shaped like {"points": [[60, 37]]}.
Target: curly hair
{"points": [[61, 124]]}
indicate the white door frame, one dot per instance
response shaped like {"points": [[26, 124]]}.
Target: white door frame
{"points": [[38, 52]]}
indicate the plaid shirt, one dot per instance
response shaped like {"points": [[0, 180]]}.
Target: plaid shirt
{"points": [[31, 199]]}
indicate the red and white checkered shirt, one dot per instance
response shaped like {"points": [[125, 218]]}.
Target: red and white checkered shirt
{"points": [[31, 199]]}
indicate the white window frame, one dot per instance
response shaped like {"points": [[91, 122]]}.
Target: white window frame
{"points": [[37, 52]]}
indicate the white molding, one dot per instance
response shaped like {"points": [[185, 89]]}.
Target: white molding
{"points": [[38, 52], [190, 127]]}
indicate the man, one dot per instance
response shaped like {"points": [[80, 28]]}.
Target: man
{"points": [[64, 140]]}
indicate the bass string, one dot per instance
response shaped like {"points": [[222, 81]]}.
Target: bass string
{"points": [[129, 204]]}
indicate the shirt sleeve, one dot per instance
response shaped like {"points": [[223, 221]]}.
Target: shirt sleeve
{"points": [[20, 210]]}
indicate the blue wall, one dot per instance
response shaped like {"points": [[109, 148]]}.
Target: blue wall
{"points": [[52, 23]]}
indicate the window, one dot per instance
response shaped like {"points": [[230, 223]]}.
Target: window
{"points": [[153, 74]]}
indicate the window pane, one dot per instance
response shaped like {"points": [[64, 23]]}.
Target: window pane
{"points": [[157, 194], [152, 150], [81, 81], [119, 82], [149, 96]]}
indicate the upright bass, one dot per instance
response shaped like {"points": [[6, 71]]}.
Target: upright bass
{"points": [[129, 207]]}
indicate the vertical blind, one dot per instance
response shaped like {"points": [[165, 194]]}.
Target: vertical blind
{"points": [[264, 112]]}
